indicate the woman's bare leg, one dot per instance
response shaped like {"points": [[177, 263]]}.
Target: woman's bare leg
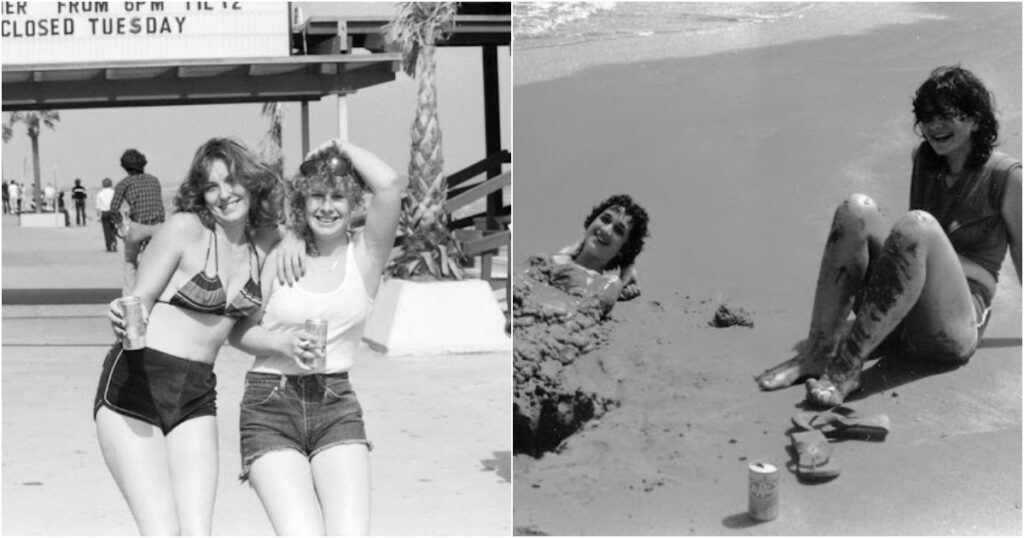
{"points": [[853, 241], [918, 276], [137, 457], [284, 483], [342, 477], [192, 454]]}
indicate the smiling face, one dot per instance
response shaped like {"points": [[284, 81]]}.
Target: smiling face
{"points": [[606, 234], [328, 212], [227, 199], [949, 132]]}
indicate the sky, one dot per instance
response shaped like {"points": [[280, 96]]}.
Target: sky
{"points": [[88, 143]]}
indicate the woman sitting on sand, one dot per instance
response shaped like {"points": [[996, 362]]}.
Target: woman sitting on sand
{"points": [[928, 286], [303, 442], [155, 408], [613, 236]]}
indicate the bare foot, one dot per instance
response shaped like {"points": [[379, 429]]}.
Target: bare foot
{"points": [[832, 388], [789, 372]]}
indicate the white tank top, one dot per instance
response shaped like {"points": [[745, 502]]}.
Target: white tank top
{"points": [[345, 308]]}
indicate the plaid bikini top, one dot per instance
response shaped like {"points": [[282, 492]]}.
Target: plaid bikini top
{"points": [[206, 294]]}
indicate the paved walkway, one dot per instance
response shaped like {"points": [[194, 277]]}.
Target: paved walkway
{"points": [[441, 463]]}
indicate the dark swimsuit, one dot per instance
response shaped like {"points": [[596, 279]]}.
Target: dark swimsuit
{"points": [[206, 294], [164, 390], [970, 212]]}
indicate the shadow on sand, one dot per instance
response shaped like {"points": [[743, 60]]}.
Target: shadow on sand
{"points": [[896, 369]]}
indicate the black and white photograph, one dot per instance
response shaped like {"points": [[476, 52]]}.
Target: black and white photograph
{"points": [[255, 268], [767, 268]]}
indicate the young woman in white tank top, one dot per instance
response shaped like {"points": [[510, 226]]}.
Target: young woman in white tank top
{"points": [[304, 447]]}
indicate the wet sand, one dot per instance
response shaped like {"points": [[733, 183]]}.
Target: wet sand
{"points": [[740, 158]]}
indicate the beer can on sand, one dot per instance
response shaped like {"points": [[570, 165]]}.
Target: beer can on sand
{"points": [[763, 491], [134, 324], [317, 327]]}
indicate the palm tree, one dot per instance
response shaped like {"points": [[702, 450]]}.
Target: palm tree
{"points": [[270, 147], [428, 247], [32, 121]]}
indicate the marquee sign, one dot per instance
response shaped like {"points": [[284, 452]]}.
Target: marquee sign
{"points": [[69, 32]]}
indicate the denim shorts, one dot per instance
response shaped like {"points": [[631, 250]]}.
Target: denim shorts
{"points": [[155, 387], [305, 413]]}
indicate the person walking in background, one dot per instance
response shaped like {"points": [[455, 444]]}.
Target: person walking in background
{"points": [[146, 211], [7, 198], [15, 193], [103, 199], [60, 208], [78, 195]]}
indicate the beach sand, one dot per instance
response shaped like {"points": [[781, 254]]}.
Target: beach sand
{"points": [[741, 157]]}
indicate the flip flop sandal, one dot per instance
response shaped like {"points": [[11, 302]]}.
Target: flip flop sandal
{"points": [[844, 423], [814, 456]]}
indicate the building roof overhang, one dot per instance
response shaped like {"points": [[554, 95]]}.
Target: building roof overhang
{"points": [[177, 82]]}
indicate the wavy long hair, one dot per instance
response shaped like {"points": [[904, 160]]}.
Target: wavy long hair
{"points": [[260, 180], [952, 90], [634, 244]]}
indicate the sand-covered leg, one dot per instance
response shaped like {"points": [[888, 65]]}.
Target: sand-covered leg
{"points": [[854, 240], [917, 278]]}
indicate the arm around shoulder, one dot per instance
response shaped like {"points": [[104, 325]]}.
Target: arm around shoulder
{"points": [[1011, 211]]}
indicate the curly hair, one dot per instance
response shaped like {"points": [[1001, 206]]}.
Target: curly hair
{"points": [[327, 170], [953, 90], [637, 232], [133, 161], [260, 180]]}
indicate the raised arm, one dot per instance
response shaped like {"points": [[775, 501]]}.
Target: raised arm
{"points": [[1012, 217], [378, 236]]}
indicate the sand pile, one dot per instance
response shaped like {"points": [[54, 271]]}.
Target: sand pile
{"points": [[552, 329]]}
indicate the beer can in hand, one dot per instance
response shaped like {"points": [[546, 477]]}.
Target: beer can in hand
{"points": [[763, 491], [317, 327], [134, 324]]}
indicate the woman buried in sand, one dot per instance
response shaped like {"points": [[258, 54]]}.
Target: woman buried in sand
{"points": [[928, 285], [613, 236], [155, 408], [303, 442]]}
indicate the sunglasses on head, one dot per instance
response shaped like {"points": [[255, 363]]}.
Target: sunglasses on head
{"points": [[333, 165]]}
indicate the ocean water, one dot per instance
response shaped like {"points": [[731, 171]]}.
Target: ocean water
{"points": [[548, 24], [558, 39]]}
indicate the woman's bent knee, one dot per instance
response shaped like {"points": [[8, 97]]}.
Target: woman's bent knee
{"points": [[857, 207]]}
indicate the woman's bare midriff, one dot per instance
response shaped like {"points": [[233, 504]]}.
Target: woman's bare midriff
{"points": [[185, 334]]}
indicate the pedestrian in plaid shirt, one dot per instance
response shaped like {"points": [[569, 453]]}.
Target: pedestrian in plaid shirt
{"points": [[145, 214]]}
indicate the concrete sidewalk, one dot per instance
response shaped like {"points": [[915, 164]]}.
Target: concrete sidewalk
{"points": [[441, 426]]}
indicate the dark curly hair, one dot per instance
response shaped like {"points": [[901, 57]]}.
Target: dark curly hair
{"points": [[637, 232], [260, 180], [954, 90], [328, 169], [133, 161]]}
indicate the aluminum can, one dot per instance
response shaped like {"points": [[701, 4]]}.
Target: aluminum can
{"points": [[134, 324], [763, 491], [317, 327]]}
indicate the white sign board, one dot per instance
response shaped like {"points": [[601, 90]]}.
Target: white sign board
{"points": [[69, 32]]}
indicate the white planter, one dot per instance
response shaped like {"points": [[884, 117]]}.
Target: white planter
{"points": [[42, 220], [436, 318]]}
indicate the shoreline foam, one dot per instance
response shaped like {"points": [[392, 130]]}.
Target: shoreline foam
{"points": [[539, 64]]}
